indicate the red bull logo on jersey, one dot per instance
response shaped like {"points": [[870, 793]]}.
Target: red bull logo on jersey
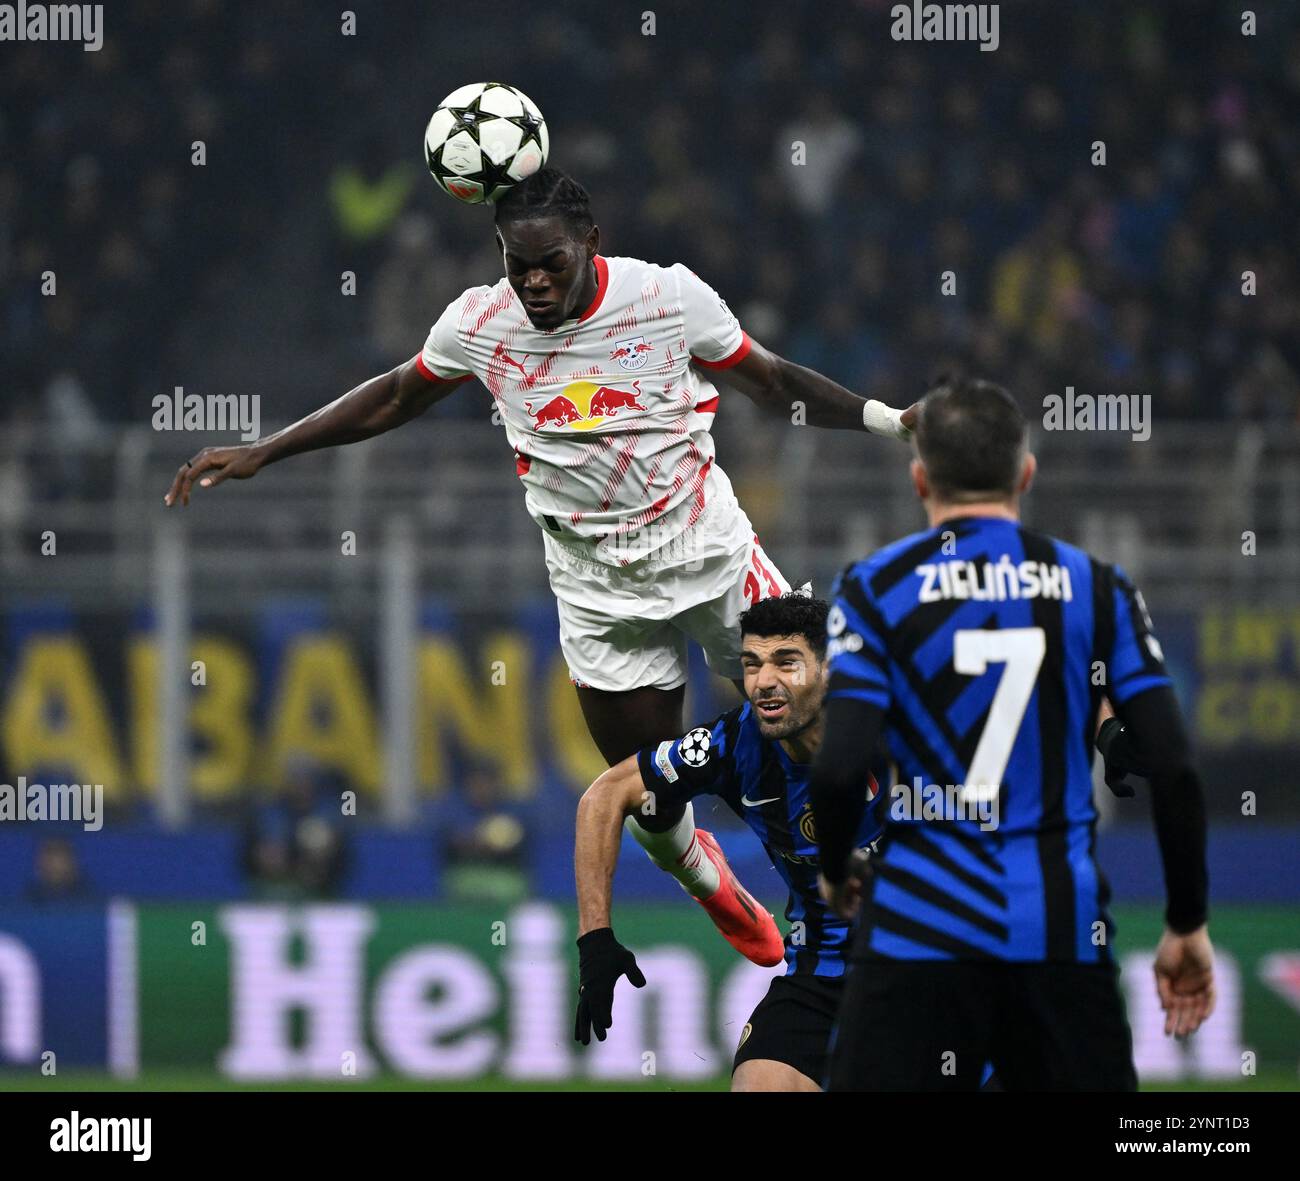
{"points": [[633, 353], [583, 405], [557, 412]]}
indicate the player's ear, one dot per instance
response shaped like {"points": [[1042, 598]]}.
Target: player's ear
{"points": [[920, 481], [592, 243], [1028, 469]]}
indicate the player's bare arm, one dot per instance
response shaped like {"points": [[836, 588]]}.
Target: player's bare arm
{"points": [[602, 960], [776, 385], [617, 794], [373, 407]]}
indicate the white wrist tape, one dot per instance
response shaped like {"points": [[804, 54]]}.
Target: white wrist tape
{"points": [[880, 419]]}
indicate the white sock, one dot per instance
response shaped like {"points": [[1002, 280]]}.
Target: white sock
{"points": [[677, 851]]}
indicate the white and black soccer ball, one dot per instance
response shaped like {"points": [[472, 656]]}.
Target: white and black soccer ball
{"points": [[483, 140], [694, 748]]}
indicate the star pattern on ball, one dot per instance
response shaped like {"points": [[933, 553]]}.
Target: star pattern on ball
{"points": [[472, 114], [471, 122], [493, 177], [530, 125], [469, 117]]}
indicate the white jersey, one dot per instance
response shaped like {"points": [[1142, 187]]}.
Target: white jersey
{"points": [[609, 414]]}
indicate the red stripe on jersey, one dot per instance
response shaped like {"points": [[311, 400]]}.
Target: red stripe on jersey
{"points": [[429, 375], [618, 473], [522, 463], [727, 362], [542, 370], [679, 478], [495, 308], [602, 283], [708, 407], [697, 488], [654, 471]]}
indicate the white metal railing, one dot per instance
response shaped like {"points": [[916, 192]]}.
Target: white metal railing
{"points": [[1173, 509]]}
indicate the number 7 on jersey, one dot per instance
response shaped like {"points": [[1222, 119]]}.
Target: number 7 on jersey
{"points": [[1021, 650]]}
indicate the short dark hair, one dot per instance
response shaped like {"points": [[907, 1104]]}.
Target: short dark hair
{"points": [[547, 193], [790, 614], [971, 436]]}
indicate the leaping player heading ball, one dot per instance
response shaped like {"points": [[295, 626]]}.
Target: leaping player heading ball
{"points": [[600, 371]]}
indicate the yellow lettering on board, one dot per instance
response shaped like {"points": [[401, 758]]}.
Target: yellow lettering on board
{"points": [[322, 713], [56, 717], [490, 720], [219, 717]]}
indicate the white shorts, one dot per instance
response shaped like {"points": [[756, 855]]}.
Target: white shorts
{"points": [[626, 627]]}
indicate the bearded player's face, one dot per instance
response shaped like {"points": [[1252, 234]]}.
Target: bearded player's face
{"points": [[547, 267], [784, 681]]}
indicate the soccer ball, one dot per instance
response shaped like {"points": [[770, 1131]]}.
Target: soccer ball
{"points": [[483, 139], [694, 748]]}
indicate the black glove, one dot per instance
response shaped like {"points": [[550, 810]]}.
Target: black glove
{"points": [[1117, 750], [602, 959], [860, 866]]}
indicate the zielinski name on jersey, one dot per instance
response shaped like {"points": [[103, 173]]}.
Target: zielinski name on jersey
{"points": [[993, 581], [985, 582]]}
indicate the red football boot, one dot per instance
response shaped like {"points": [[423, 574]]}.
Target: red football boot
{"points": [[744, 923]]}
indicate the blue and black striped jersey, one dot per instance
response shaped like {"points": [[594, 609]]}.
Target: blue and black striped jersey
{"points": [[757, 779], [989, 647]]}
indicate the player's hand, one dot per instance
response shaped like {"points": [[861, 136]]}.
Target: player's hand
{"points": [[1184, 970], [908, 418], [602, 959], [1118, 757], [881, 419], [210, 467], [845, 898]]}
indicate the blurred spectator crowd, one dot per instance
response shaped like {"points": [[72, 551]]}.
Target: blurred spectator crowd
{"points": [[917, 160]]}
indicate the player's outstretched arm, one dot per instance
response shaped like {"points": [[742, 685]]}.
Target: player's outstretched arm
{"points": [[781, 387], [601, 958], [375, 406]]}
